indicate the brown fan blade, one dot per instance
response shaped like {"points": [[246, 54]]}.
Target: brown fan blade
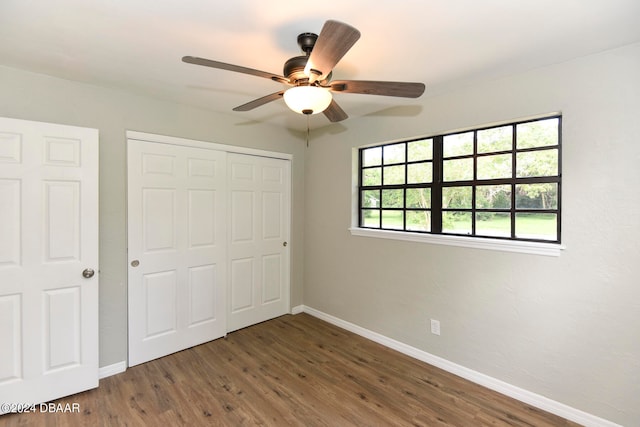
{"points": [[237, 68], [260, 101], [370, 87], [335, 39], [334, 113]]}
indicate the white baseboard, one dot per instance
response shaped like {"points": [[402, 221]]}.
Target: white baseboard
{"points": [[297, 309], [116, 368], [530, 398]]}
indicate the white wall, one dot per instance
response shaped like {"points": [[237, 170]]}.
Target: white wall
{"points": [[41, 98], [566, 327]]}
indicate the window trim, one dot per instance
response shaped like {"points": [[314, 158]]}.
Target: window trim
{"points": [[518, 246], [498, 244]]}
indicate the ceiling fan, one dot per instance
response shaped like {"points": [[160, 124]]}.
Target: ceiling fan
{"points": [[310, 75]]}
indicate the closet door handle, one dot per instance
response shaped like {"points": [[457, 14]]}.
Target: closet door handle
{"points": [[88, 273], [284, 244]]}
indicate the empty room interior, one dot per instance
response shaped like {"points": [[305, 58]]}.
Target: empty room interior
{"points": [[346, 213]]}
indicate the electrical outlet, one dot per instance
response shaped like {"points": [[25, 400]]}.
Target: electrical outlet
{"points": [[435, 327]]}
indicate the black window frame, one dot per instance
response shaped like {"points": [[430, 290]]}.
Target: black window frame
{"points": [[437, 184]]}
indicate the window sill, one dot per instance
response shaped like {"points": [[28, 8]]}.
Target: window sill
{"points": [[534, 248]]}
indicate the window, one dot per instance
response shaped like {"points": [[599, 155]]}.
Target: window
{"points": [[500, 182]]}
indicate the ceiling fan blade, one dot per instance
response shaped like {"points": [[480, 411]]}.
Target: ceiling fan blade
{"points": [[371, 87], [259, 102], [334, 113], [335, 39], [237, 68]]}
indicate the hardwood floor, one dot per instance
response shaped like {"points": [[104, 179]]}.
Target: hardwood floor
{"points": [[290, 371]]}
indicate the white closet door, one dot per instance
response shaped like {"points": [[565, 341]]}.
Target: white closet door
{"points": [[177, 248], [48, 238], [259, 206]]}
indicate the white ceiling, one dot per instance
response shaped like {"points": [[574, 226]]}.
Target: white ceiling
{"points": [[137, 45]]}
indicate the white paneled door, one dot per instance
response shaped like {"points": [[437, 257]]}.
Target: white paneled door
{"points": [[259, 206], [177, 248], [48, 261]]}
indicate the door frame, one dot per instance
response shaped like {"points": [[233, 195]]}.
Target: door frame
{"points": [[172, 140]]}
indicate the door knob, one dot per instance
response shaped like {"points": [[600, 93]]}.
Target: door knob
{"points": [[88, 273], [284, 244], [135, 263]]}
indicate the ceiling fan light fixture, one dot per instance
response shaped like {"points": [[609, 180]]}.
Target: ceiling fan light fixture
{"points": [[307, 99]]}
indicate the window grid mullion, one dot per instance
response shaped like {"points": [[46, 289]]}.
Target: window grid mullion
{"points": [[436, 190], [514, 168], [473, 186], [404, 190]]}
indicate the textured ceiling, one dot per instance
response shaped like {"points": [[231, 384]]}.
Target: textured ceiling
{"points": [[136, 45]]}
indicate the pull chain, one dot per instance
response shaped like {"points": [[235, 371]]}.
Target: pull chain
{"points": [[307, 131]]}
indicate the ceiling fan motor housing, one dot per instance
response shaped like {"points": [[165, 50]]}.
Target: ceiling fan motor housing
{"points": [[294, 67]]}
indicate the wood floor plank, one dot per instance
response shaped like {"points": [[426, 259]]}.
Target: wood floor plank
{"points": [[290, 371]]}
